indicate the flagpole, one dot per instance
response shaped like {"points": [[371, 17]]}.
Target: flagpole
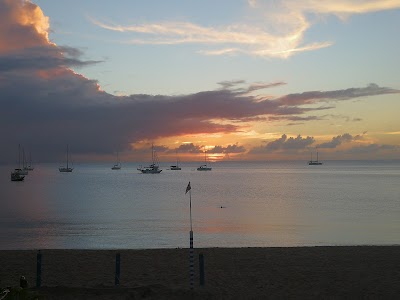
{"points": [[190, 201], [191, 254]]}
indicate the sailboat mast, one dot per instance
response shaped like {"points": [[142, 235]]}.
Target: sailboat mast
{"points": [[317, 156], [23, 157], [19, 156], [152, 153], [67, 156]]}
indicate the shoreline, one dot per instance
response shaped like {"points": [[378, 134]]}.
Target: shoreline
{"points": [[254, 272]]}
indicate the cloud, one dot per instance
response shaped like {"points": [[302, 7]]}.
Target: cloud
{"points": [[57, 106], [277, 30], [342, 8], [372, 149], [159, 148], [295, 118], [240, 86], [23, 25], [235, 148], [188, 148], [49, 57], [285, 143], [340, 139], [44, 104], [313, 97], [343, 117], [230, 84], [24, 41], [252, 3], [235, 38]]}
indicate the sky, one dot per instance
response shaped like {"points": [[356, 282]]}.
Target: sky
{"points": [[240, 79]]}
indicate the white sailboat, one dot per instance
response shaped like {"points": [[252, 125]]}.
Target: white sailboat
{"points": [[154, 168], [204, 167], [66, 169], [117, 166], [314, 162]]}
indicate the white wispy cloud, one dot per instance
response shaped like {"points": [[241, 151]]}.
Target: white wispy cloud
{"points": [[340, 8], [255, 40], [278, 30]]}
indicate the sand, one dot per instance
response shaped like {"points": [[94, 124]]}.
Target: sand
{"points": [[230, 273]]}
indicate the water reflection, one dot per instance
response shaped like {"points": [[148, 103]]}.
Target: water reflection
{"points": [[270, 204]]}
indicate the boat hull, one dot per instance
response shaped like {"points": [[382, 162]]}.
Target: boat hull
{"points": [[17, 177], [175, 168], [65, 170], [204, 169], [149, 171], [314, 163]]}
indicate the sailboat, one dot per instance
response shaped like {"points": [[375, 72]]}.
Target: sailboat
{"points": [[29, 167], [117, 166], [314, 162], [65, 169], [176, 167], [154, 167], [19, 170], [204, 167], [18, 173]]}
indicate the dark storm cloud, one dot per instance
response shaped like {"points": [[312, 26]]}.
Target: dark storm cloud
{"points": [[351, 93], [52, 108], [36, 58]]}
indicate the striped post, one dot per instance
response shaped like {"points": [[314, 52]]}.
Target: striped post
{"points": [[38, 269], [117, 268], [191, 261], [201, 269], [191, 255]]}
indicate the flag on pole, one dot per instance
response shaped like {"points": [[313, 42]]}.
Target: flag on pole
{"points": [[188, 188]]}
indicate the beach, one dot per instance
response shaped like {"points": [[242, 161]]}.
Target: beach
{"points": [[229, 273]]}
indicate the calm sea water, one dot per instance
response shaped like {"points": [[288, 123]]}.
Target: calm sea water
{"points": [[263, 204]]}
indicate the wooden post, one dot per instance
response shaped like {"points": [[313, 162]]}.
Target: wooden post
{"points": [[201, 269], [38, 269], [117, 268]]}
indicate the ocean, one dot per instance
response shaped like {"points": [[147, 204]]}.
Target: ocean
{"points": [[237, 204]]}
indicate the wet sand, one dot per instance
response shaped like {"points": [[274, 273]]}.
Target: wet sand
{"points": [[230, 273]]}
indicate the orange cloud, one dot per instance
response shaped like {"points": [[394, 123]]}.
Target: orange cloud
{"points": [[23, 25]]}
